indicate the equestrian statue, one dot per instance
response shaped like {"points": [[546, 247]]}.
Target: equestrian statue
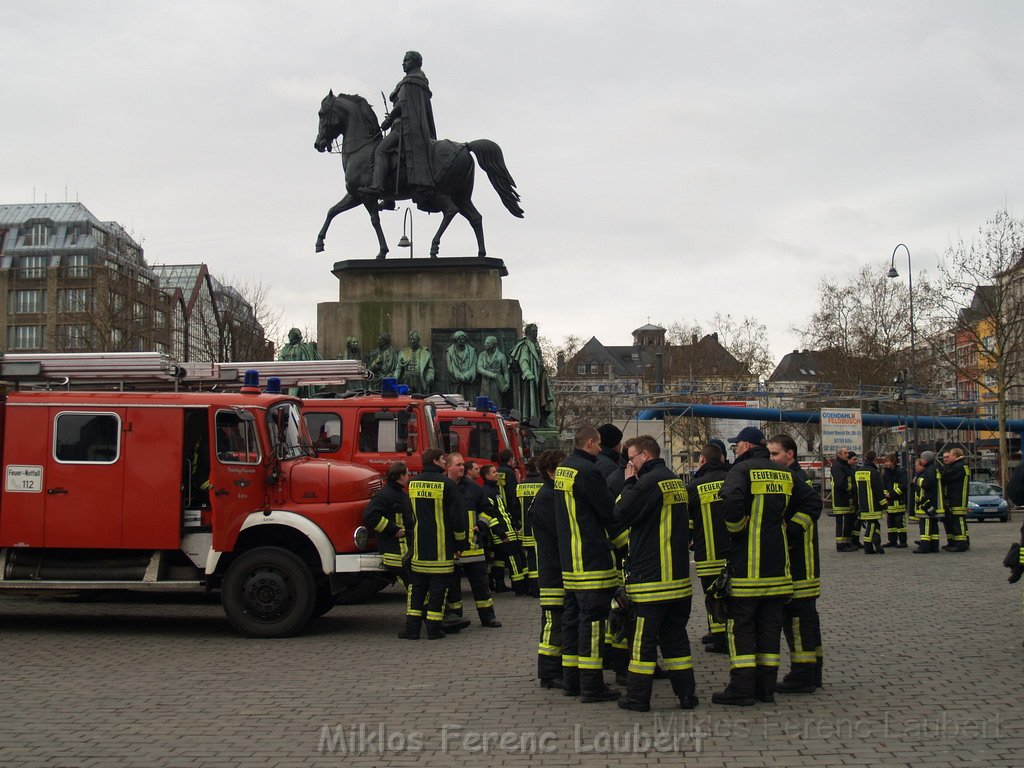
{"points": [[409, 163]]}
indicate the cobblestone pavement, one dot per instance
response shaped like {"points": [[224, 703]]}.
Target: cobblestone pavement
{"points": [[923, 669]]}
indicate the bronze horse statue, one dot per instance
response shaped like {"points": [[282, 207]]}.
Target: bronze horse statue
{"points": [[352, 117]]}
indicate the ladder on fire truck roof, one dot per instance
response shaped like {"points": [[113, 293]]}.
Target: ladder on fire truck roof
{"points": [[158, 370]]}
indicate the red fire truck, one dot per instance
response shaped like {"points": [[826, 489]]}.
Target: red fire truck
{"points": [[176, 491]]}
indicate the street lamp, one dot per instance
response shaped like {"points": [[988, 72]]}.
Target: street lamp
{"points": [[406, 242], [913, 348]]}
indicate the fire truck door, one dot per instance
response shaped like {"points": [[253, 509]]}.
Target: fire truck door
{"points": [[84, 478], [236, 485]]}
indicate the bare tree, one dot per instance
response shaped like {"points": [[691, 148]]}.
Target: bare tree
{"points": [[249, 319], [983, 306], [746, 339]]}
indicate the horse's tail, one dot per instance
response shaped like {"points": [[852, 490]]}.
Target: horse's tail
{"points": [[489, 155]]}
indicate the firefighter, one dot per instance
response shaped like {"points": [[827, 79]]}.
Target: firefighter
{"points": [[708, 533], [758, 497], [526, 491], [471, 563], [801, 624], [956, 481], [388, 513], [509, 507], [894, 486], [931, 504], [870, 503], [543, 512], [438, 535], [653, 507], [842, 501], [611, 450], [507, 551], [588, 567]]}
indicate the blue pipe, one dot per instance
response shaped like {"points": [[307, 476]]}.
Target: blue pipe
{"points": [[658, 411]]}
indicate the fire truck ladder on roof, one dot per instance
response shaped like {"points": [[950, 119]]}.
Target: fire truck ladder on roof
{"points": [[158, 369]]}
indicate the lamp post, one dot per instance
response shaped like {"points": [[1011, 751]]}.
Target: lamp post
{"points": [[913, 348], [406, 242]]}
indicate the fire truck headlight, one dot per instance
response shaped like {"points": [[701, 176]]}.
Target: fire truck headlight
{"points": [[361, 537]]}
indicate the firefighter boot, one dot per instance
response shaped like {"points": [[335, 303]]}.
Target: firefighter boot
{"points": [[488, 619], [435, 630], [902, 540], [593, 689], [819, 668], [719, 643], [412, 628], [684, 686], [765, 678], [571, 681], [638, 692], [740, 690], [801, 679], [893, 541]]}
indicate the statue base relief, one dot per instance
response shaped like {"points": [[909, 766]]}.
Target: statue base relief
{"points": [[434, 297]]}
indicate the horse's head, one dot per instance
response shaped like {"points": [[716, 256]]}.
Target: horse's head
{"points": [[332, 123], [343, 113]]}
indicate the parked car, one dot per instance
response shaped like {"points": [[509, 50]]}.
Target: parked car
{"points": [[985, 501]]}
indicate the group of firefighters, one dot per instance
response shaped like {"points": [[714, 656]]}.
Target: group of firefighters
{"points": [[611, 523], [862, 491]]}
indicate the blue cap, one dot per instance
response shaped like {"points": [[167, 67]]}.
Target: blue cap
{"points": [[749, 435]]}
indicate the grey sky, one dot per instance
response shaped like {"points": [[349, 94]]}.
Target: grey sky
{"points": [[675, 158]]}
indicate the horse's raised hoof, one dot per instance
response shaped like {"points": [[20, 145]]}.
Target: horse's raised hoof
{"points": [[382, 254], [482, 255], [319, 246]]}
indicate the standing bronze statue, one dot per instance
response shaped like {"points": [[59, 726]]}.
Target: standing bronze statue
{"points": [[492, 365], [297, 349], [530, 386], [383, 360], [352, 352], [460, 359], [436, 175], [415, 366]]}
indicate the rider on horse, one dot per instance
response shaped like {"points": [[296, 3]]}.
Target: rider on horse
{"points": [[412, 137]]}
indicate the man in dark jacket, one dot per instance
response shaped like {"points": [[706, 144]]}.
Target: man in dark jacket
{"points": [[894, 485], [801, 624], [843, 500], [526, 491], [588, 567], [930, 504], [543, 512], [509, 550], [611, 445], [653, 507], [760, 497], [871, 502], [471, 562], [956, 481], [388, 513], [438, 535], [708, 533]]}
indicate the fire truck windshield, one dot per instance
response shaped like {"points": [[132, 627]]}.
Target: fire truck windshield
{"points": [[288, 436], [430, 413]]}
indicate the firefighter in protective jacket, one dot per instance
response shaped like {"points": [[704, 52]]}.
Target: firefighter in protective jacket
{"points": [[759, 496], [438, 535], [956, 481], [708, 533], [843, 501], [653, 507], [870, 503], [543, 512], [931, 505], [588, 567], [894, 485], [388, 513], [526, 491]]}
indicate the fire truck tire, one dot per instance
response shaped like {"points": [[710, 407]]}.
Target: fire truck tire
{"points": [[268, 592], [325, 599]]}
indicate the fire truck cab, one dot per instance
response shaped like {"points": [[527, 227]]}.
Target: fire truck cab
{"points": [[180, 491]]}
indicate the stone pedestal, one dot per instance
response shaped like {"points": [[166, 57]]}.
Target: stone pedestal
{"points": [[434, 297]]}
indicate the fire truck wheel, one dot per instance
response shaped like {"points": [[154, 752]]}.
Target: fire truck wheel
{"points": [[325, 599], [268, 592]]}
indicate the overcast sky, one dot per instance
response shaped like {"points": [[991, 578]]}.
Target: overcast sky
{"points": [[675, 159]]}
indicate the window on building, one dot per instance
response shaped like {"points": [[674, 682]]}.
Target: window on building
{"points": [[161, 347], [608, 369], [593, 368], [39, 234], [116, 337], [989, 343], [20, 302], [116, 302], [76, 265], [31, 267], [138, 311], [72, 337], [74, 300], [160, 318], [87, 437], [581, 369], [26, 336]]}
